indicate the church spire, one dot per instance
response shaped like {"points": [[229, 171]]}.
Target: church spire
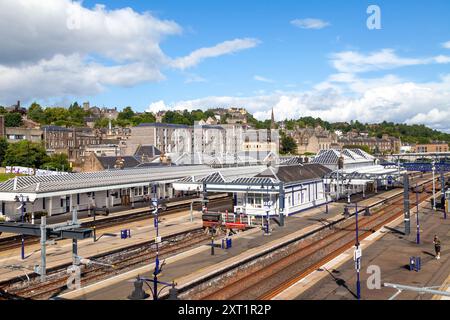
{"points": [[272, 123]]}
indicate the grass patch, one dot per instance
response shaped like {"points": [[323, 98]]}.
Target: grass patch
{"points": [[6, 176]]}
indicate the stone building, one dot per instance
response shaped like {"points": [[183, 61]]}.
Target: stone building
{"points": [[312, 140], [70, 141], [430, 147], [385, 144], [19, 134]]}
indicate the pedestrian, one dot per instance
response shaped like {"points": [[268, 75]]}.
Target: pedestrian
{"points": [[437, 247]]}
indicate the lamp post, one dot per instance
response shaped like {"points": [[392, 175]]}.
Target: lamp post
{"points": [[357, 255], [23, 201], [433, 168], [157, 270], [417, 215], [268, 205]]}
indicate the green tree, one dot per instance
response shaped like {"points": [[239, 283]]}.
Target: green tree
{"points": [[175, 118], [57, 161], [145, 117], [25, 153], [13, 119], [126, 114], [101, 123], [36, 113], [3, 148], [76, 115], [288, 145]]}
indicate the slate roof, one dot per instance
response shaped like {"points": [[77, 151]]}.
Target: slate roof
{"points": [[109, 162], [148, 150], [296, 173], [105, 179], [331, 156]]}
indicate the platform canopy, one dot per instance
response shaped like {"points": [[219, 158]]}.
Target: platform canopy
{"points": [[74, 183], [196, 182], [271, 180], [364, 175]]}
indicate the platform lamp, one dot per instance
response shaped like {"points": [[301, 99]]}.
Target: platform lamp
{"points": [[23, 201], [417, 215], [433, 169], [267, 229]]}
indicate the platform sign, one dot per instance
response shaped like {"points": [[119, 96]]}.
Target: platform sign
{"points": [[357, 254], [390, 180], [426, 166], [357, 257], [268, 204]]}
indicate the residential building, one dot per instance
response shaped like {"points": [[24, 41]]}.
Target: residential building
{"points": [[70, 141], [19, 134], [312, 140], [430, 147], [385, 144], [145, 156]]}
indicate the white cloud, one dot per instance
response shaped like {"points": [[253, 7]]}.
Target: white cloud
{"points": [[446, 45], [310, 23], [226, 47], [59, 48], [372, 100], [262, 79], [355, 62], [194, 78]]}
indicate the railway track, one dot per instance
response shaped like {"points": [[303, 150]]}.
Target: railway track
{"points": [[310, 255], [119, 261], [14, 242], [271, 274]]}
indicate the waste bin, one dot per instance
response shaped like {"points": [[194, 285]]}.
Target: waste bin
{"points": [[125, 234], [415, 264], [226, 243], [346, 214]]}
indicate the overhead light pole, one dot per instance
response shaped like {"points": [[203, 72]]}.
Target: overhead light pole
{"points": [[417, 215], [268, 206], [433, 169], [23, 201], [358, 255]]}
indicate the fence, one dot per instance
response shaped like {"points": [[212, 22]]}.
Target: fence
{"points": [[32, 171]]}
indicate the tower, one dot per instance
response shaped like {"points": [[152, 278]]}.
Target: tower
{"points": [[272, 122]]}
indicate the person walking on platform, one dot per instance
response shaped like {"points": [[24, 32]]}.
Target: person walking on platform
{"points": [[437, 247]]}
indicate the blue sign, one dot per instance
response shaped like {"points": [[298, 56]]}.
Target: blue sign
{"points": [[390, 180], [426, 166]]}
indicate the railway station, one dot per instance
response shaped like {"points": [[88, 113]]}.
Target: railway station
{"points": [[265, 213], [115, 188]]}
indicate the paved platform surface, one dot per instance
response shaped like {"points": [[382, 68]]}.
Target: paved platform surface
{"points": [[199, 263], [61, 252], [391, 252]]}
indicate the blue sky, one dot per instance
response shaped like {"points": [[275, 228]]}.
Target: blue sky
{"points": [[273, 64]]}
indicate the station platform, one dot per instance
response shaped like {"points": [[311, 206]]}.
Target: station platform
{"points": [[198, 262], [61, 252], [390, 250]]}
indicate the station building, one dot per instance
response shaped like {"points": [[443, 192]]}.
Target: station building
{"points": [[278, 190], [355, 171], [107, 189]]}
